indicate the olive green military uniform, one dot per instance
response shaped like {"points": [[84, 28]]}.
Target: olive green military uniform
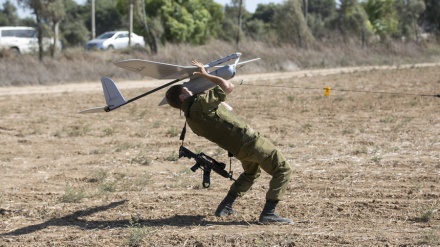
{"points": [[207, 117]]}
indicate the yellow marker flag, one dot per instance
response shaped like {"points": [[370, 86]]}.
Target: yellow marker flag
{"points": [[326, 91]]}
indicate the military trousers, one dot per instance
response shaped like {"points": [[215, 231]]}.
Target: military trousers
{"points": [[258, 153]]}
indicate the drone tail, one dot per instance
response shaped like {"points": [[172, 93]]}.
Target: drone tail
{"points": [[112, 95]]}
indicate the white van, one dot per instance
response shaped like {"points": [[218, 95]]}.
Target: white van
{"points": [[22, 40]]}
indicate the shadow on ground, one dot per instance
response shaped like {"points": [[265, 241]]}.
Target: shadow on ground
{"points": [[73, 220]]}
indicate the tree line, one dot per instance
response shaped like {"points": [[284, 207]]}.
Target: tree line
{"points": [[301, 23]]}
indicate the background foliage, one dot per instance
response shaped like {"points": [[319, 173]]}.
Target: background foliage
{"points": [[300, 23]]}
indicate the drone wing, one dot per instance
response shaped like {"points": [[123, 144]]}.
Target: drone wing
{"points": [[157, 70]]}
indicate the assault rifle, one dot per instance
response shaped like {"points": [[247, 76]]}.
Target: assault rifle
{"points": [[207, 164]]}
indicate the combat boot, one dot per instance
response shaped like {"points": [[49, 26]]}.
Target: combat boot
{"points": [[225, 207], [268, 216]]}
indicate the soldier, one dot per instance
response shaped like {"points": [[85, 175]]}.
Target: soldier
{"points": [[207, 116]]}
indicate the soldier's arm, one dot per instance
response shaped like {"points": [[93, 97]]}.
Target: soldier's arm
{"points": [[224, 84]]}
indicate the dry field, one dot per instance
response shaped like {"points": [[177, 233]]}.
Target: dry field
{"points": [[366, 165]]}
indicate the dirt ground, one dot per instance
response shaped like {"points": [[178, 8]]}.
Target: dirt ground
{"points": [[366, 164]]}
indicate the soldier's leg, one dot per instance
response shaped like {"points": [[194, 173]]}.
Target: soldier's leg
{"points": [[245, 181], [276, 165], [238, 188]]}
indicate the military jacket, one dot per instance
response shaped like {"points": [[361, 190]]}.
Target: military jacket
{"points": [[208, 118]]}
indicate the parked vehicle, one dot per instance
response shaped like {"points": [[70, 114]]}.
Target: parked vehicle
{"points": [[115, 40], [21, 40]]}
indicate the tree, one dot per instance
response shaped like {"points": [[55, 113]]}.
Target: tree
{"points": [[74, 31], [261, 24], [321, 13], [353, 20], [382, 16], [408, 12], [54, 13], [151, 38], [266, 12], [37, 6], [239, 16], [8, 15], [431, 16], [186, 21], [291, 26]]}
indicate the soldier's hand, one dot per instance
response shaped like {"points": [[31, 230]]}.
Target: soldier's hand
{"points": [[201, 68]]}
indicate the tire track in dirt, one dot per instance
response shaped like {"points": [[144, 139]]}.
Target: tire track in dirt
{"points": [[150, 83]]}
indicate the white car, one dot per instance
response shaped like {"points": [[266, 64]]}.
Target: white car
{"points": [[115, 40], [22, 40]]}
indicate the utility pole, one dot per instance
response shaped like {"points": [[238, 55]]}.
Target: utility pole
{"points": [[93, 20], [131, 24], [240, 7]]}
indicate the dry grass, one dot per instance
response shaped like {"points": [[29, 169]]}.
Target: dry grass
{"points": [[76, 65]]}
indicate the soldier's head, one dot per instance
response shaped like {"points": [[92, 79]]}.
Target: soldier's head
{"points": [[176, 95]]}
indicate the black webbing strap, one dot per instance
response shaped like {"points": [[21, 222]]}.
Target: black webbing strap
{"points": [[182, 134], [182, 138]]}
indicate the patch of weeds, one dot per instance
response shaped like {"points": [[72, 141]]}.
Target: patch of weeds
{"points": [[430, 238], [388, 119], [142, 181], [35, 130], [142, 159], [73, 194], [73, 131], [127, 145], [109, 131], [361, 150], [141, 133], [143, 114], [425, 215], [43, 213], [99, 176], [184, 171], [172, 157], [272, 104], [107, 187], [77, 130], [306, 127], [97, 151], [197, 187], [135, 184], [136, 234], [179, 179], [198, 149], [157, 124], [42, 119], [414, 190], [290, 98], [219, 151], [347, 131], [376, 159], [260, 242], [120, 176], [413, 103], [173, 132], [339, 99]]}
